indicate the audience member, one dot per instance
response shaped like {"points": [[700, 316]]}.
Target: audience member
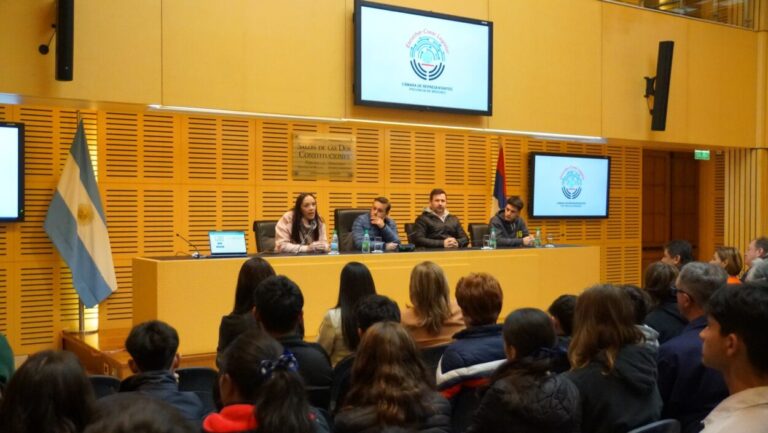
{"points": [[511, 230], [689, 389], [677, 253], [524, 395], [433, 319], [252, 272], [338, 330], [640, 305], [736, 344], [664, 316], [6, 363], [436, 227], [261, 390], [136, 413], [729, 259], [615, 375], [49, 393], [391, 387], [561, 312], [301, 230], [478, 350], [278, 306], [152, 346], [378, 224], [755, 259]]}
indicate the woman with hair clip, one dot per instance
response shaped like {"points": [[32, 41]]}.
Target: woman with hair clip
{"points": [[729, 259], [301, 230], [433, 319], [338, 330], [261, 390], [252, 272], [49, 393], [614, 372], [391, 387], [524, 395]]}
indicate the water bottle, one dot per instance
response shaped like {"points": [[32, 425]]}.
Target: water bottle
{"points": [[334, 243], [537, 238], [366, 243], [493, 238]]}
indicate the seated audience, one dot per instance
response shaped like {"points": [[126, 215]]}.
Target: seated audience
{"points": [[391, 388], [511, 230], [436, 227], [561, 312], [677, 253], [755, 259], [6, 363], [736, 344], [261, 390], [378, 224], [689, 389], [433, 319], [152, 346], [338, 330], [614, 372], [136, 413], [49, 393], [252, 272], [278, 306], [478, 350], [301, 230], [729, 259], [525, 396], [664, 316], [640, 303]]}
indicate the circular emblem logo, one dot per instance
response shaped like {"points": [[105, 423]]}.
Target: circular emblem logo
{"points": [[427, 58], [571, 181]]}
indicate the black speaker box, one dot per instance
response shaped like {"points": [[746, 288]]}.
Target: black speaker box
{"points": [[661, 91], [65, 39]]}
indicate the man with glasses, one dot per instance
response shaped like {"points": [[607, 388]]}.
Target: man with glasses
{"points": [[755, 259], [688, 388]]}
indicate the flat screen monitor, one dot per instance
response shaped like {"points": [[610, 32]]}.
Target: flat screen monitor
{"points": [[569, 186], [11, 171], [413, 59]]}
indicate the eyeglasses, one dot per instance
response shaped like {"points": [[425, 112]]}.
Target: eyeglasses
{"points": [[675, 290]]}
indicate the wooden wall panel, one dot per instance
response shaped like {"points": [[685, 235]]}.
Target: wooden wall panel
{"points": [[746, 196]]}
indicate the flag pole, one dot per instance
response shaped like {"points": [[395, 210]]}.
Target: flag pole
{"points": [[80, 316]]}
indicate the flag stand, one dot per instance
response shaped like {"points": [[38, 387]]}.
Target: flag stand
{"points": [[81, 322]]}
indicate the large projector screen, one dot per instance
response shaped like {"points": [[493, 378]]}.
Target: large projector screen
{"points": [[11, 171], [407, 58], [569, 186]]}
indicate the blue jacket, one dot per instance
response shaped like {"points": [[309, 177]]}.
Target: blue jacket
{"points": [[475, 354], [362, 223]]}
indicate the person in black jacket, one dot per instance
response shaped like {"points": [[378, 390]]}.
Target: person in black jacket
{"points": [[511, 230], [524, 395], [391, 388], [663, 316], [436, 227]]}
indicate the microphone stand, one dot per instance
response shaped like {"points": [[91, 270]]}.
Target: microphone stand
{"points": [[196, 254]]}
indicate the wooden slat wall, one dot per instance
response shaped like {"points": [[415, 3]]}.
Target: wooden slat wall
{"points": [[162, 174], [746, 196]]}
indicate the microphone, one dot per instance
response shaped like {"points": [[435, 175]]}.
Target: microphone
{"points": [[196, 254]]}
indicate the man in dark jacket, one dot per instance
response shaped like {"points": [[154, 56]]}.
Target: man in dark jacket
{"points": [[152, 346], [511, 230], [436, 227]]}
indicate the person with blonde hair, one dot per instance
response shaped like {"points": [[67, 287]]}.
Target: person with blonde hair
{"points": [[729, 259], [433, 318]]}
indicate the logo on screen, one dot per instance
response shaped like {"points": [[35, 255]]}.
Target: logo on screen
{"points": [[427, 58], [571, 180]]}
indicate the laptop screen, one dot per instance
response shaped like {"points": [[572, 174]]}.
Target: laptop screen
{"points": [[227, 242]]}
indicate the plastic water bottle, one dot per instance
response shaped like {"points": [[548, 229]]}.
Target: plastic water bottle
{"points": [[537, 238], [493, 238], [334, 243], [366, 243]]}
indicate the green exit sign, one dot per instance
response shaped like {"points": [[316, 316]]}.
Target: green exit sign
{"points": [[701, 155]]}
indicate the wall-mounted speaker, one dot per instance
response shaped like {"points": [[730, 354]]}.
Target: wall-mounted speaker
{"points": [[661, 88], [65, 39]]}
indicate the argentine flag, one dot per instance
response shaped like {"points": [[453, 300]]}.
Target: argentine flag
{"points": [[76, 225], [499, 196]]}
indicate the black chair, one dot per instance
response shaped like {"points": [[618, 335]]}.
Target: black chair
{"points": [[464, 405], [409, 231], [319, 396], [663, 426], [104, 385], [431, 356], [342, 373], [201, 381], [344, 219], [265, 235], [476, 233]]}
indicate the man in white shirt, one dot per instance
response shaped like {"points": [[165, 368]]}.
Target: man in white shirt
{"points": [[735, 342]]}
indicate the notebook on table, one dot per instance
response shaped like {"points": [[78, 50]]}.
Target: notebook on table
{"points": [[227, 243]]}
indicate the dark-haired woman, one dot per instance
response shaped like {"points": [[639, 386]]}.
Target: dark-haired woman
{"points": [[301, 230], [49, 393], [614, 372], [338, 330], [252, 272], [261, 390], [391, 387], [525, 396], [664, 316]]}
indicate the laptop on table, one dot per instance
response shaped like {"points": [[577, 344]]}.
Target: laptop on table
{"points": [[227, 244]]}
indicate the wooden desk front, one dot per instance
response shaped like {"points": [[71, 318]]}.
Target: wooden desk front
{"points": [[193, 294]]}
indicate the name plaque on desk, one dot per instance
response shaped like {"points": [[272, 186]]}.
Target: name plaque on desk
{"points": [[323, 156]]}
